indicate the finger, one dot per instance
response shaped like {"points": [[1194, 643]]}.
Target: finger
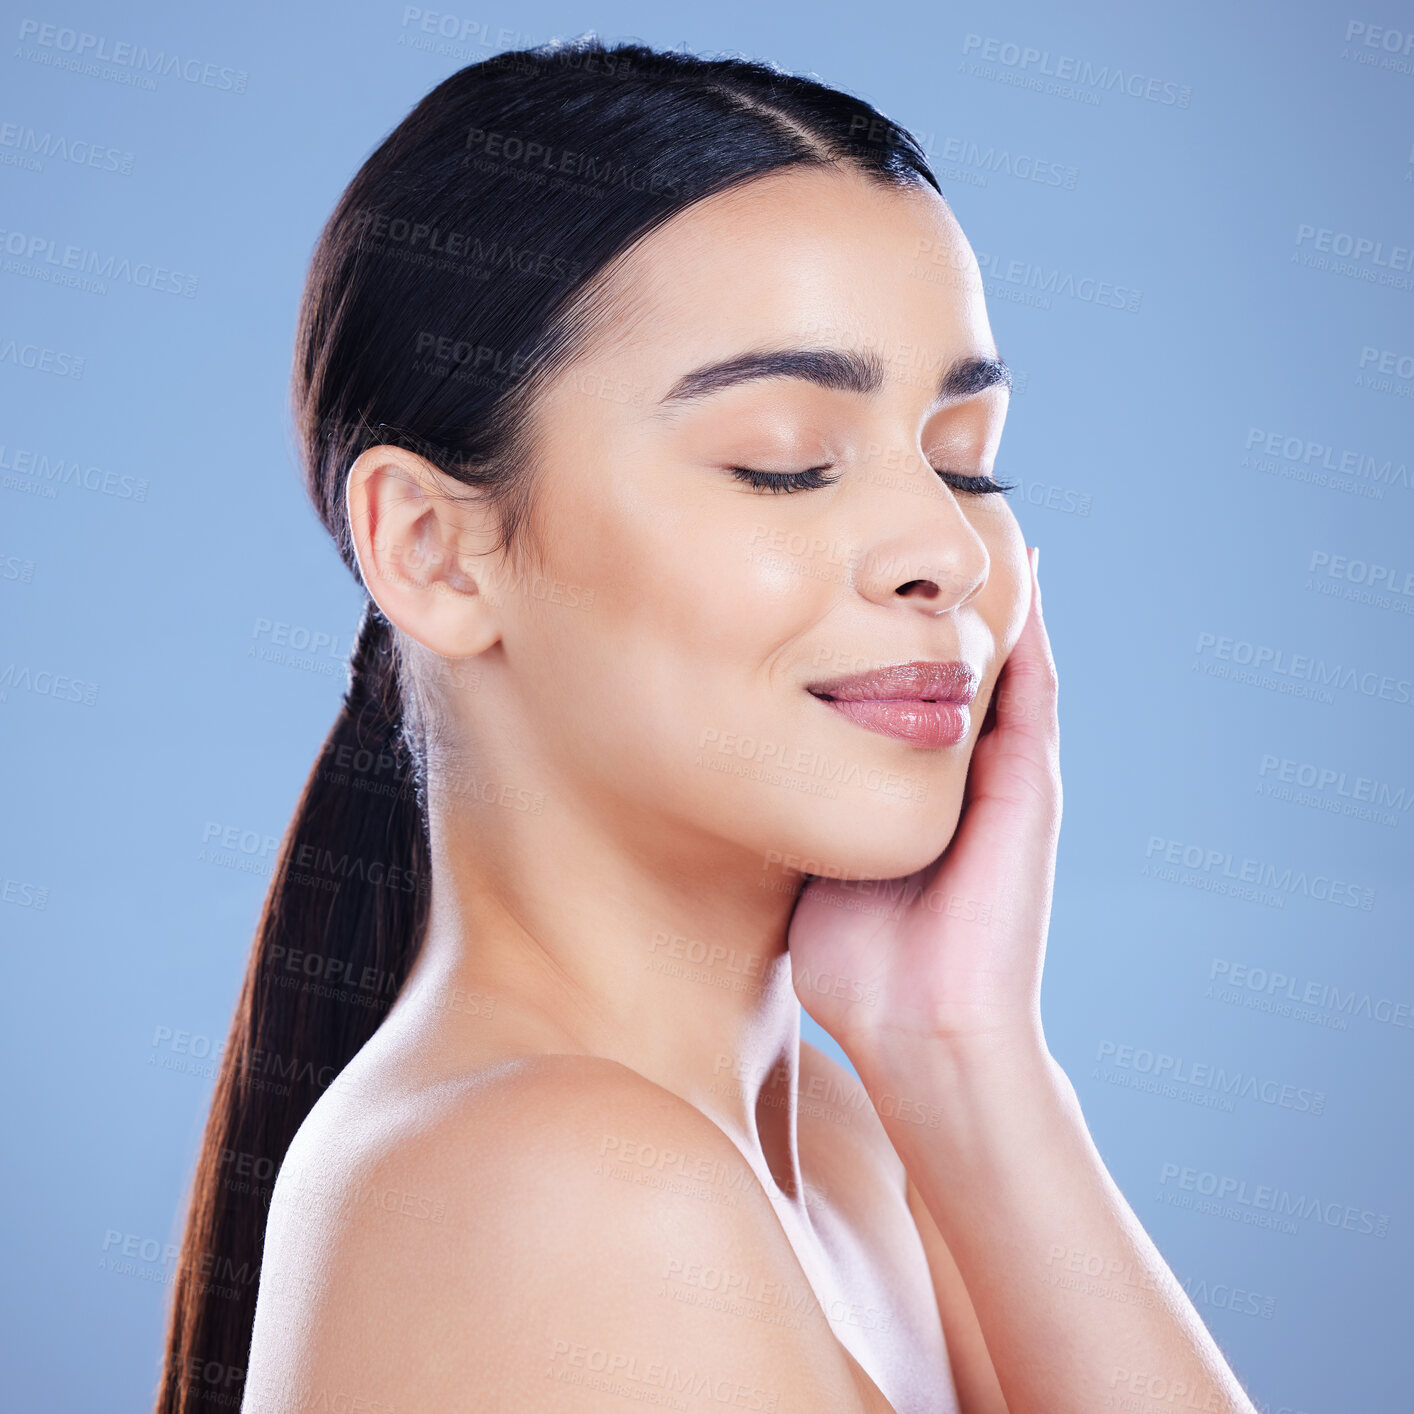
{"points": [[1013, 797], [1027, 691]]}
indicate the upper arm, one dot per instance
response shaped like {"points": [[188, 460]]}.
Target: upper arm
{"points": [[974, 1376], [564, 1236]]}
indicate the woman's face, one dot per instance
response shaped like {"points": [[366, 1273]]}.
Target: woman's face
{"points": [[661, 665]]}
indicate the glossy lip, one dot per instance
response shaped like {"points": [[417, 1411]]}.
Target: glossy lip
{"points": [[919, 681], [924, 703]]}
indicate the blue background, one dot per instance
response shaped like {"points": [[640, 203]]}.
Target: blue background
{"points": [[1174, 545]]}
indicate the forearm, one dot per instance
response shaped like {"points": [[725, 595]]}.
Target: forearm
{"points": [[1078, 1309]]}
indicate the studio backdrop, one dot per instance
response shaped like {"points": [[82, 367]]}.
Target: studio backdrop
{"points": [[1196, 230]]}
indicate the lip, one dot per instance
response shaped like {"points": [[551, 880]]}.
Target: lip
{"points": [[925, 703]]}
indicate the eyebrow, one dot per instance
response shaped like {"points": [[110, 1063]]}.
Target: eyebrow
{"points": [[841, 370]]}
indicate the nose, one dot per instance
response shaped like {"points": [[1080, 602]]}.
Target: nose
{"points": [[926, 554]]}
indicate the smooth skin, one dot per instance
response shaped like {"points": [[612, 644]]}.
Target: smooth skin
{"points": [[586, 1159]]}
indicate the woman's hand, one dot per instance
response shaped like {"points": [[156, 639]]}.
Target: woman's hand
{"points": [[947, 1041], [953, 952]]}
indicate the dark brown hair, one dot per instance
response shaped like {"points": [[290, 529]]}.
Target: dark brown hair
{"points": [[455, 277]]}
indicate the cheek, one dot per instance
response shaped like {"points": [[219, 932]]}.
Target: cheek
{"points": [[700, 581], [657, 615]]}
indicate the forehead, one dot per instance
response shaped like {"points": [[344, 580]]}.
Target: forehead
{"points": [[824, 257]]}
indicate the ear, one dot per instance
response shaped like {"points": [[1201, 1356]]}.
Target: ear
{"points": [[416, 532]]}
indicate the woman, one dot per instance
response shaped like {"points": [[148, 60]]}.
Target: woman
{"points": [[653, 401]]}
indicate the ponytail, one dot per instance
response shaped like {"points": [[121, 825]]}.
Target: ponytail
{"points": [[343, 918]]}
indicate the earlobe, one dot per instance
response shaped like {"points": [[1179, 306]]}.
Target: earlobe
{"points": [[410, 536]]}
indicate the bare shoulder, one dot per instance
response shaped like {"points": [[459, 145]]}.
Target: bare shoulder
{"points": [[835, 1104], [534, 1236]]}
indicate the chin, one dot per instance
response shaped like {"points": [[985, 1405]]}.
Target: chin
{"points": [[866, 835]]}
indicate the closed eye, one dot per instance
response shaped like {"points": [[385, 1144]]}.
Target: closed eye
{"points": [[808, 480], [976, 485], [811, 479]]}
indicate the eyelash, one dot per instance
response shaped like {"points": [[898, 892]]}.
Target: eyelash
{"points": [[811, 480]]}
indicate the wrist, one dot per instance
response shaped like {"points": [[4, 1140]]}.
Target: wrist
{"points": [[981, 1057], [969, 1095]]}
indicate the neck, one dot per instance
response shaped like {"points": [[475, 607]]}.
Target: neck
{"points": [[562, 933]]}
